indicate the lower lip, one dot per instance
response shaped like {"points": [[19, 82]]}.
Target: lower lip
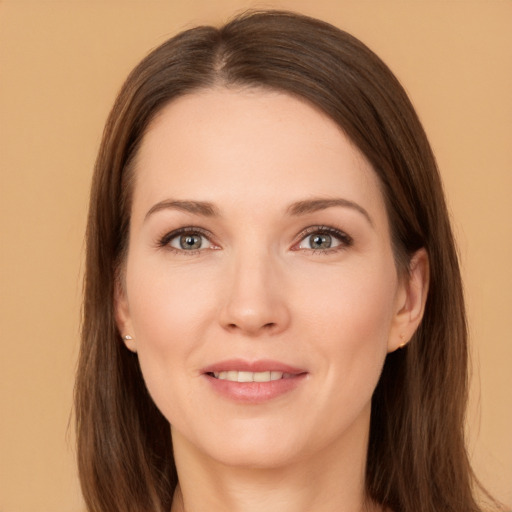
{"points": [[255, 392]]}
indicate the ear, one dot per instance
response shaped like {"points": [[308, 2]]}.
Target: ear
{"points": [[122, 316], [410, 301]]}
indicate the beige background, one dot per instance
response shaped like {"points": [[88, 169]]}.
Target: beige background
{"points": [[61, 63]]}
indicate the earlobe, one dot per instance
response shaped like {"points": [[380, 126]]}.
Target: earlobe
{"points": [[130, 343], [122, 317], [412, 299]]}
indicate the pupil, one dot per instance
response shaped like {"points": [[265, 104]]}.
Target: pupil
{"points": [[190, 242], [321, 241]]}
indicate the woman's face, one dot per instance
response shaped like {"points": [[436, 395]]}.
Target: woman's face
{"points": [[260, 286]]}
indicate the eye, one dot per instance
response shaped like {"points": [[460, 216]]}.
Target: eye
{"points": [[323, 239], [187, 240]]}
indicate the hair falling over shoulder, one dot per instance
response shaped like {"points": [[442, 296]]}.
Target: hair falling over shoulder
{"points": [[417, 460]]}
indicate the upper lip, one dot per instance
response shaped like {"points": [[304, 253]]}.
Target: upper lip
{"points": [[262, 365]]}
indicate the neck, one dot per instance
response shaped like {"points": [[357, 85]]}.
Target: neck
{"points": [[330, 481]]}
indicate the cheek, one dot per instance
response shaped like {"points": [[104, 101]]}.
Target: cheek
{"points": [[349, 322], [167, 303], [348, 327], [170, 313], [355, 302]]}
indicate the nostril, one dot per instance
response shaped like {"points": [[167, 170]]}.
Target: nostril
{"points": [[265, 327]]}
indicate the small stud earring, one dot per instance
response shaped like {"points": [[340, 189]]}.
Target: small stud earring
{"points": [[129, 343], [402, 345]]}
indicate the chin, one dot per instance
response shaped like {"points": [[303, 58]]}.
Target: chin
{"points": [[256, 456], [248, 446]]}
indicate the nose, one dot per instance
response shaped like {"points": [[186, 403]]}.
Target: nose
{"points": [[255, 300]]}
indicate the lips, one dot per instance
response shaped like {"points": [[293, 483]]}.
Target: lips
{"points": [[253, 382], [239, 370]]}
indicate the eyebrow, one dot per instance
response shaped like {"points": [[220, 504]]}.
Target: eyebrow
{"points": [[196, 207], [298, 208], [315, 205]]}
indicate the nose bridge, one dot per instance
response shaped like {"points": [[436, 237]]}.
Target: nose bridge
{"points": [[255, 300]]}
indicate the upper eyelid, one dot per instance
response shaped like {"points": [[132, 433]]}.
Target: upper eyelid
{"points": [[324, 229], [188, 229], [315, 228]]}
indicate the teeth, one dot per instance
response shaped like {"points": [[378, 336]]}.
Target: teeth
{"points": [[245, 377], [235, 376], [262, 377]]}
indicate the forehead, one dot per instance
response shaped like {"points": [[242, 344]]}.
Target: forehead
{"points": [[249, 147]]}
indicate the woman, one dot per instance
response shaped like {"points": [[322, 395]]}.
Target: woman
{"points": [[273, 314]]}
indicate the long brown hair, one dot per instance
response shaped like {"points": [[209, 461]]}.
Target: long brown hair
{"points": [[417, 460]]}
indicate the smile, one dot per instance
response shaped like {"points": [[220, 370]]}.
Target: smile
{"points": [[244, 376], [253, 382]]}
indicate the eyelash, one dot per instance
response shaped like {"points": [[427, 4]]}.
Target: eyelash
{"points": [[164, 242], [344, 239]]}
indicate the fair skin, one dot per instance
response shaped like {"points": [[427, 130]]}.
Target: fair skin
{"points": [[285, 265]]}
